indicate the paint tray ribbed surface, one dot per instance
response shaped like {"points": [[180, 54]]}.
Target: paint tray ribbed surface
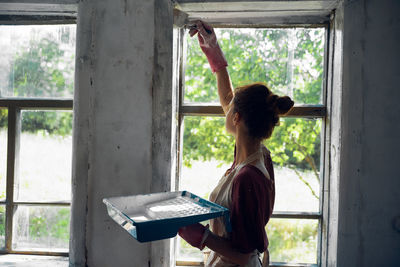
{"points": [[160, 215]]}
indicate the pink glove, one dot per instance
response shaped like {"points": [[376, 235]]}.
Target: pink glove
{"points": [[195, 234], [209, 44]]}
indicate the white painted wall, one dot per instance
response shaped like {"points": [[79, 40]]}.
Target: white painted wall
{"points": [[116, 93], [120, 151], [119, 62], [369, 187]]}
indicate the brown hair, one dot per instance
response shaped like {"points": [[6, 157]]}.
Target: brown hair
{"points": [[260, 108]]}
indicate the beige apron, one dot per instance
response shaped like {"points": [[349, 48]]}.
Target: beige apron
{"points": [[222, 195]]}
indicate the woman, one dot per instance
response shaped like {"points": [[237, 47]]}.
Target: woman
{"points": [[247, 189]]}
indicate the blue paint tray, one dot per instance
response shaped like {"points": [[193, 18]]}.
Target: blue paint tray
{"points": [[160, 215]]}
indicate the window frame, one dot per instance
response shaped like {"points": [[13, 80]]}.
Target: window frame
{"points": [[317, 111], [15, 105]]}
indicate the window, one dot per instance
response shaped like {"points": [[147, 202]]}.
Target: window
{"points": [[36, 90], [292, 61]]}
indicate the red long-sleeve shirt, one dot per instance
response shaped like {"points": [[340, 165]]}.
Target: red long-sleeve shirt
{"points": [[253, 197]]}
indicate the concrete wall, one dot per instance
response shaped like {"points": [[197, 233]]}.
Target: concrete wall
{"points": [[122, 135], [122, 125], [369, 186]]}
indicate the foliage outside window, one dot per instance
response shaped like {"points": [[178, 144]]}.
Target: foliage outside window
{"points": [[291, 62], [37, 68]]}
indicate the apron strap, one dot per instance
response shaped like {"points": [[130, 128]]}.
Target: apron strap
{"points": [[259, 164], [255, 156]]}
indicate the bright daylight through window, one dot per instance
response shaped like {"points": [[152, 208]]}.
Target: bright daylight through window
{"points": [[36, 90], [292, 62]]}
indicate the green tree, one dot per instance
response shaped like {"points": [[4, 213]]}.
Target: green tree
{"points": [[41, 70]]}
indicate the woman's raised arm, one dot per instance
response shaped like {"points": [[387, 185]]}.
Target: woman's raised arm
{"points": [[225, 90], [209, 44]]}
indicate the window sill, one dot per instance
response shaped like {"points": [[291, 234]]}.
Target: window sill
{"points": [[15, 260]]}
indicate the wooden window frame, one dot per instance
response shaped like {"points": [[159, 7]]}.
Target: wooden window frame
{"points": [[15, 106], [319, 111]]}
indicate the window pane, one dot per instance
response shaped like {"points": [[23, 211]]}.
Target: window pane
{"points": [[295, 149], [37, 60], [2, 226], [206, 146], [290, 61], [293, 240], [186, 252], [3, 153], [41, 228], [207, 153], [45, 156]]}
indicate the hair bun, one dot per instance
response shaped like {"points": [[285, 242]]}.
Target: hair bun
{"points": [[284, 104]]}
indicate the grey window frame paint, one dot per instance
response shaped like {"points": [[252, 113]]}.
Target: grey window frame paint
{"points": [[15, 106], [300, 111]]}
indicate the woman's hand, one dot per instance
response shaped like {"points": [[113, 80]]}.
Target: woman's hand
{"points": [[195, 234], [209, 44], [199, 236], [224, 248]]}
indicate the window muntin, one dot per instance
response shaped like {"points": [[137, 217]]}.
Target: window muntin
{"points": [[304, 125], [2, 226], [3, 154], [36, 86]]}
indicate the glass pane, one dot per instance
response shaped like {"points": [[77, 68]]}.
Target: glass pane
{"points": [[206, 146], [3, 153], [45, 156], [41, 228], [295, 148], [290, 61], [207, 153], [2, 226], [37, 60], [293, 240]]}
